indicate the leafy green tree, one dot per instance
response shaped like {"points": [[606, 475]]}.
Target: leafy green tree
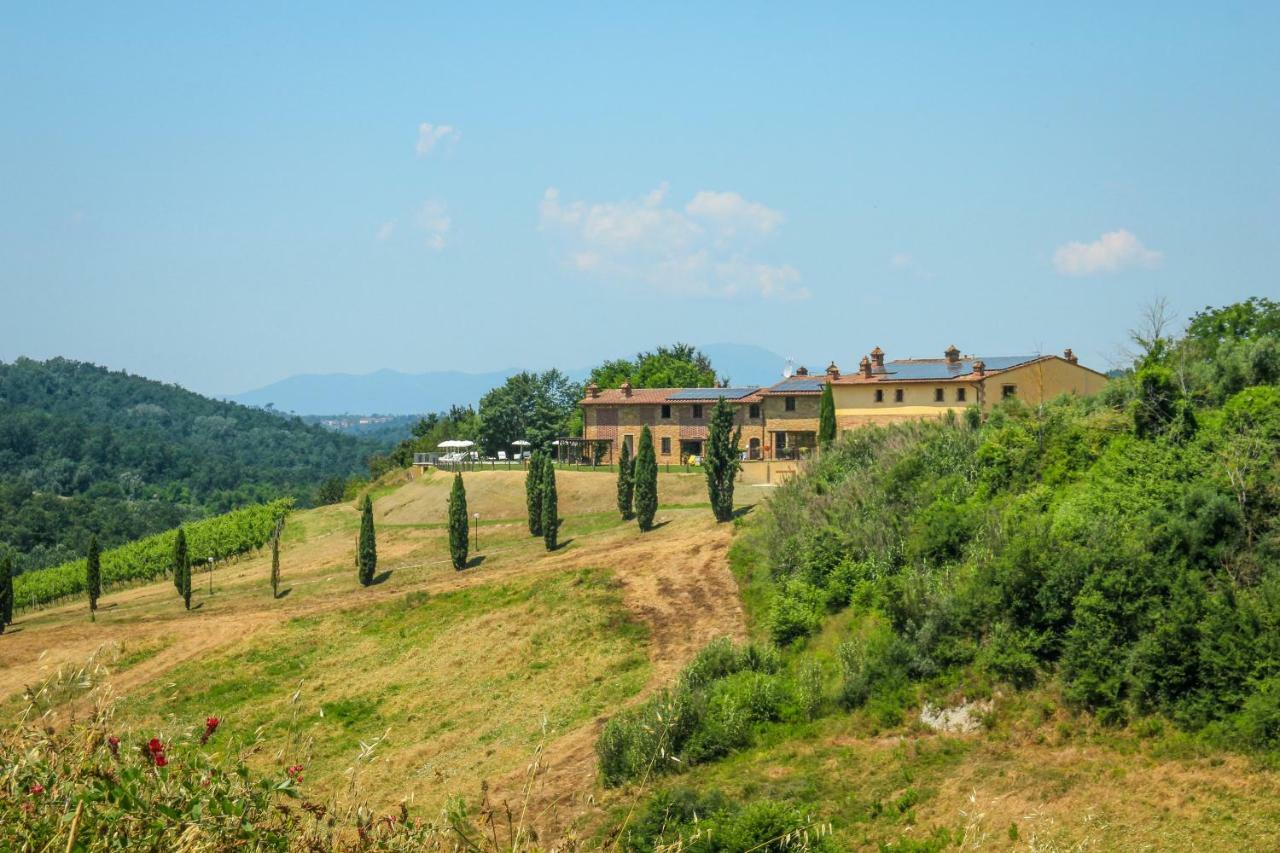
{"points": [[537, 407], [1257, 317], [646, 481], [6, 591], [331, 491], [459, 531], [550, 505], [1157, 403], [676, 366], [626, 482], [533, 493], [93, 573], [181, 559], [721, 462], [368, 547], [827, 416]]}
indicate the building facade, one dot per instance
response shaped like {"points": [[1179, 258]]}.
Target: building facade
{"points": [[781, 421]]}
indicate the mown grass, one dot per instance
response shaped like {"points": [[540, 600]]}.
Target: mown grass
{"points": [[462, 683]]}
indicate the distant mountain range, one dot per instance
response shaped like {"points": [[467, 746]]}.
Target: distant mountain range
{"points": [[391, 392]]}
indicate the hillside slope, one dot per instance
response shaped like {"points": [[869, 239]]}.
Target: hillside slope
{"points": [[87, 450]]}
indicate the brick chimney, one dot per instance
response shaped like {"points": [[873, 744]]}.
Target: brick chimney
{"points": [[877, 357], [802, 371], [626, 388], [980, 367], [833, 371], [953, 354], [593, 390], [865, 367], [1070, 356]]}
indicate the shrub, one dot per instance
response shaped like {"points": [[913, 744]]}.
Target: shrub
{"points": [[874, 664], [797, 612], [695, 822]]}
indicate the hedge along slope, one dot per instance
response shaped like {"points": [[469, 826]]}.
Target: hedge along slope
{"points": [[146, 559]]}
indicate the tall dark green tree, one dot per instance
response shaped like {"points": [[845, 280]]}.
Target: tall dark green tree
{"points": [[275, 559], [367, 551], [93, 573], [646, 481], [550, 505], [827, 416], [6, 591], [459, 531], [626, 482], [180, 558], [721, 462], [185, 586], [533, 493]]}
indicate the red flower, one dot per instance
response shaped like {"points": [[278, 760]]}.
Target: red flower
{"points": [[295, 772], [210, 726], [161, 761], [155, 746], [113, 743], [37, 789]]}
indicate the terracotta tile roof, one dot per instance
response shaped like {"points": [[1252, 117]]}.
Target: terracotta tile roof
{"points": [[653, 396], [935, 370]]}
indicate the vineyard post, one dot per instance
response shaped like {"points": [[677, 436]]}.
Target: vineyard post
{"points": [[211, 575]]}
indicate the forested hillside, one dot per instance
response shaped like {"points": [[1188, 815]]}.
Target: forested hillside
{"points": [[87, 450]]}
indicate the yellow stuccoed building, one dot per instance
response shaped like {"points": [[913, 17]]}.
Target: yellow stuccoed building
{"points": [[887, 391]]}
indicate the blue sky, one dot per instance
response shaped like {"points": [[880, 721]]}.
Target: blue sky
{"points": [[226, 196]]}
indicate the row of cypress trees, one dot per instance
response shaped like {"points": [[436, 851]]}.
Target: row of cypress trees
{"points": [[638, 482], [542, 500]]}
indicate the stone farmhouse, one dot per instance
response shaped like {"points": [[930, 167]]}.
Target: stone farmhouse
{"points": [[781, 421]]}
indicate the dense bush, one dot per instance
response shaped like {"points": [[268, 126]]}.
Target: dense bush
{"points": [[1127, 544], [147, 559], [712, 710], [695, 822]]}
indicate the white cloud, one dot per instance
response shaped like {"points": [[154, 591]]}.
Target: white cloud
{"points": [[386, 230], [1113, 251], [431, 135], [731, 212], [435, 222], [702, 249]]}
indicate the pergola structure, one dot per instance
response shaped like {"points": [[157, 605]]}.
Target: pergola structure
{"points": [[584, 451]]}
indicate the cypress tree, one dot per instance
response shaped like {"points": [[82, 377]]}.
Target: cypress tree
{"points": [[459, 532], [93, 573], [6, 591], [721, 463], [367, 552], [275, 560], [533, 493], [646, 481], [626, 482], [827, 417], [180, 558], [186, 581], [550, 505]]}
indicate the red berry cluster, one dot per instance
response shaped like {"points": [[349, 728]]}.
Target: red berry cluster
{"points": [[210, 726]]}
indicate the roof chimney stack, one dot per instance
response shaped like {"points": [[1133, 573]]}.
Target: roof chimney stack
{"points": [[833, 371], [877, 357], [980, 367], [593, 390], [865, 367], [802, 371], [953, 354], [626, 388], [1070, 356]]}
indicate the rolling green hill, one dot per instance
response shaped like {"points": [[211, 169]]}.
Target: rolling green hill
{"points": [[88, 450]]}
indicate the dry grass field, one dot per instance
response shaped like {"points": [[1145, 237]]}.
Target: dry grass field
{"points": [[433, 682]]}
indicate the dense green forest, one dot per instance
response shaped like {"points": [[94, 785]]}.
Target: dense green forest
{"points": [[85, 450]]}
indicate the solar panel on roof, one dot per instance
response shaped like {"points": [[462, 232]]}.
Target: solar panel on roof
{"points": [[799, 383], [712, 393], [947, 370]]}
